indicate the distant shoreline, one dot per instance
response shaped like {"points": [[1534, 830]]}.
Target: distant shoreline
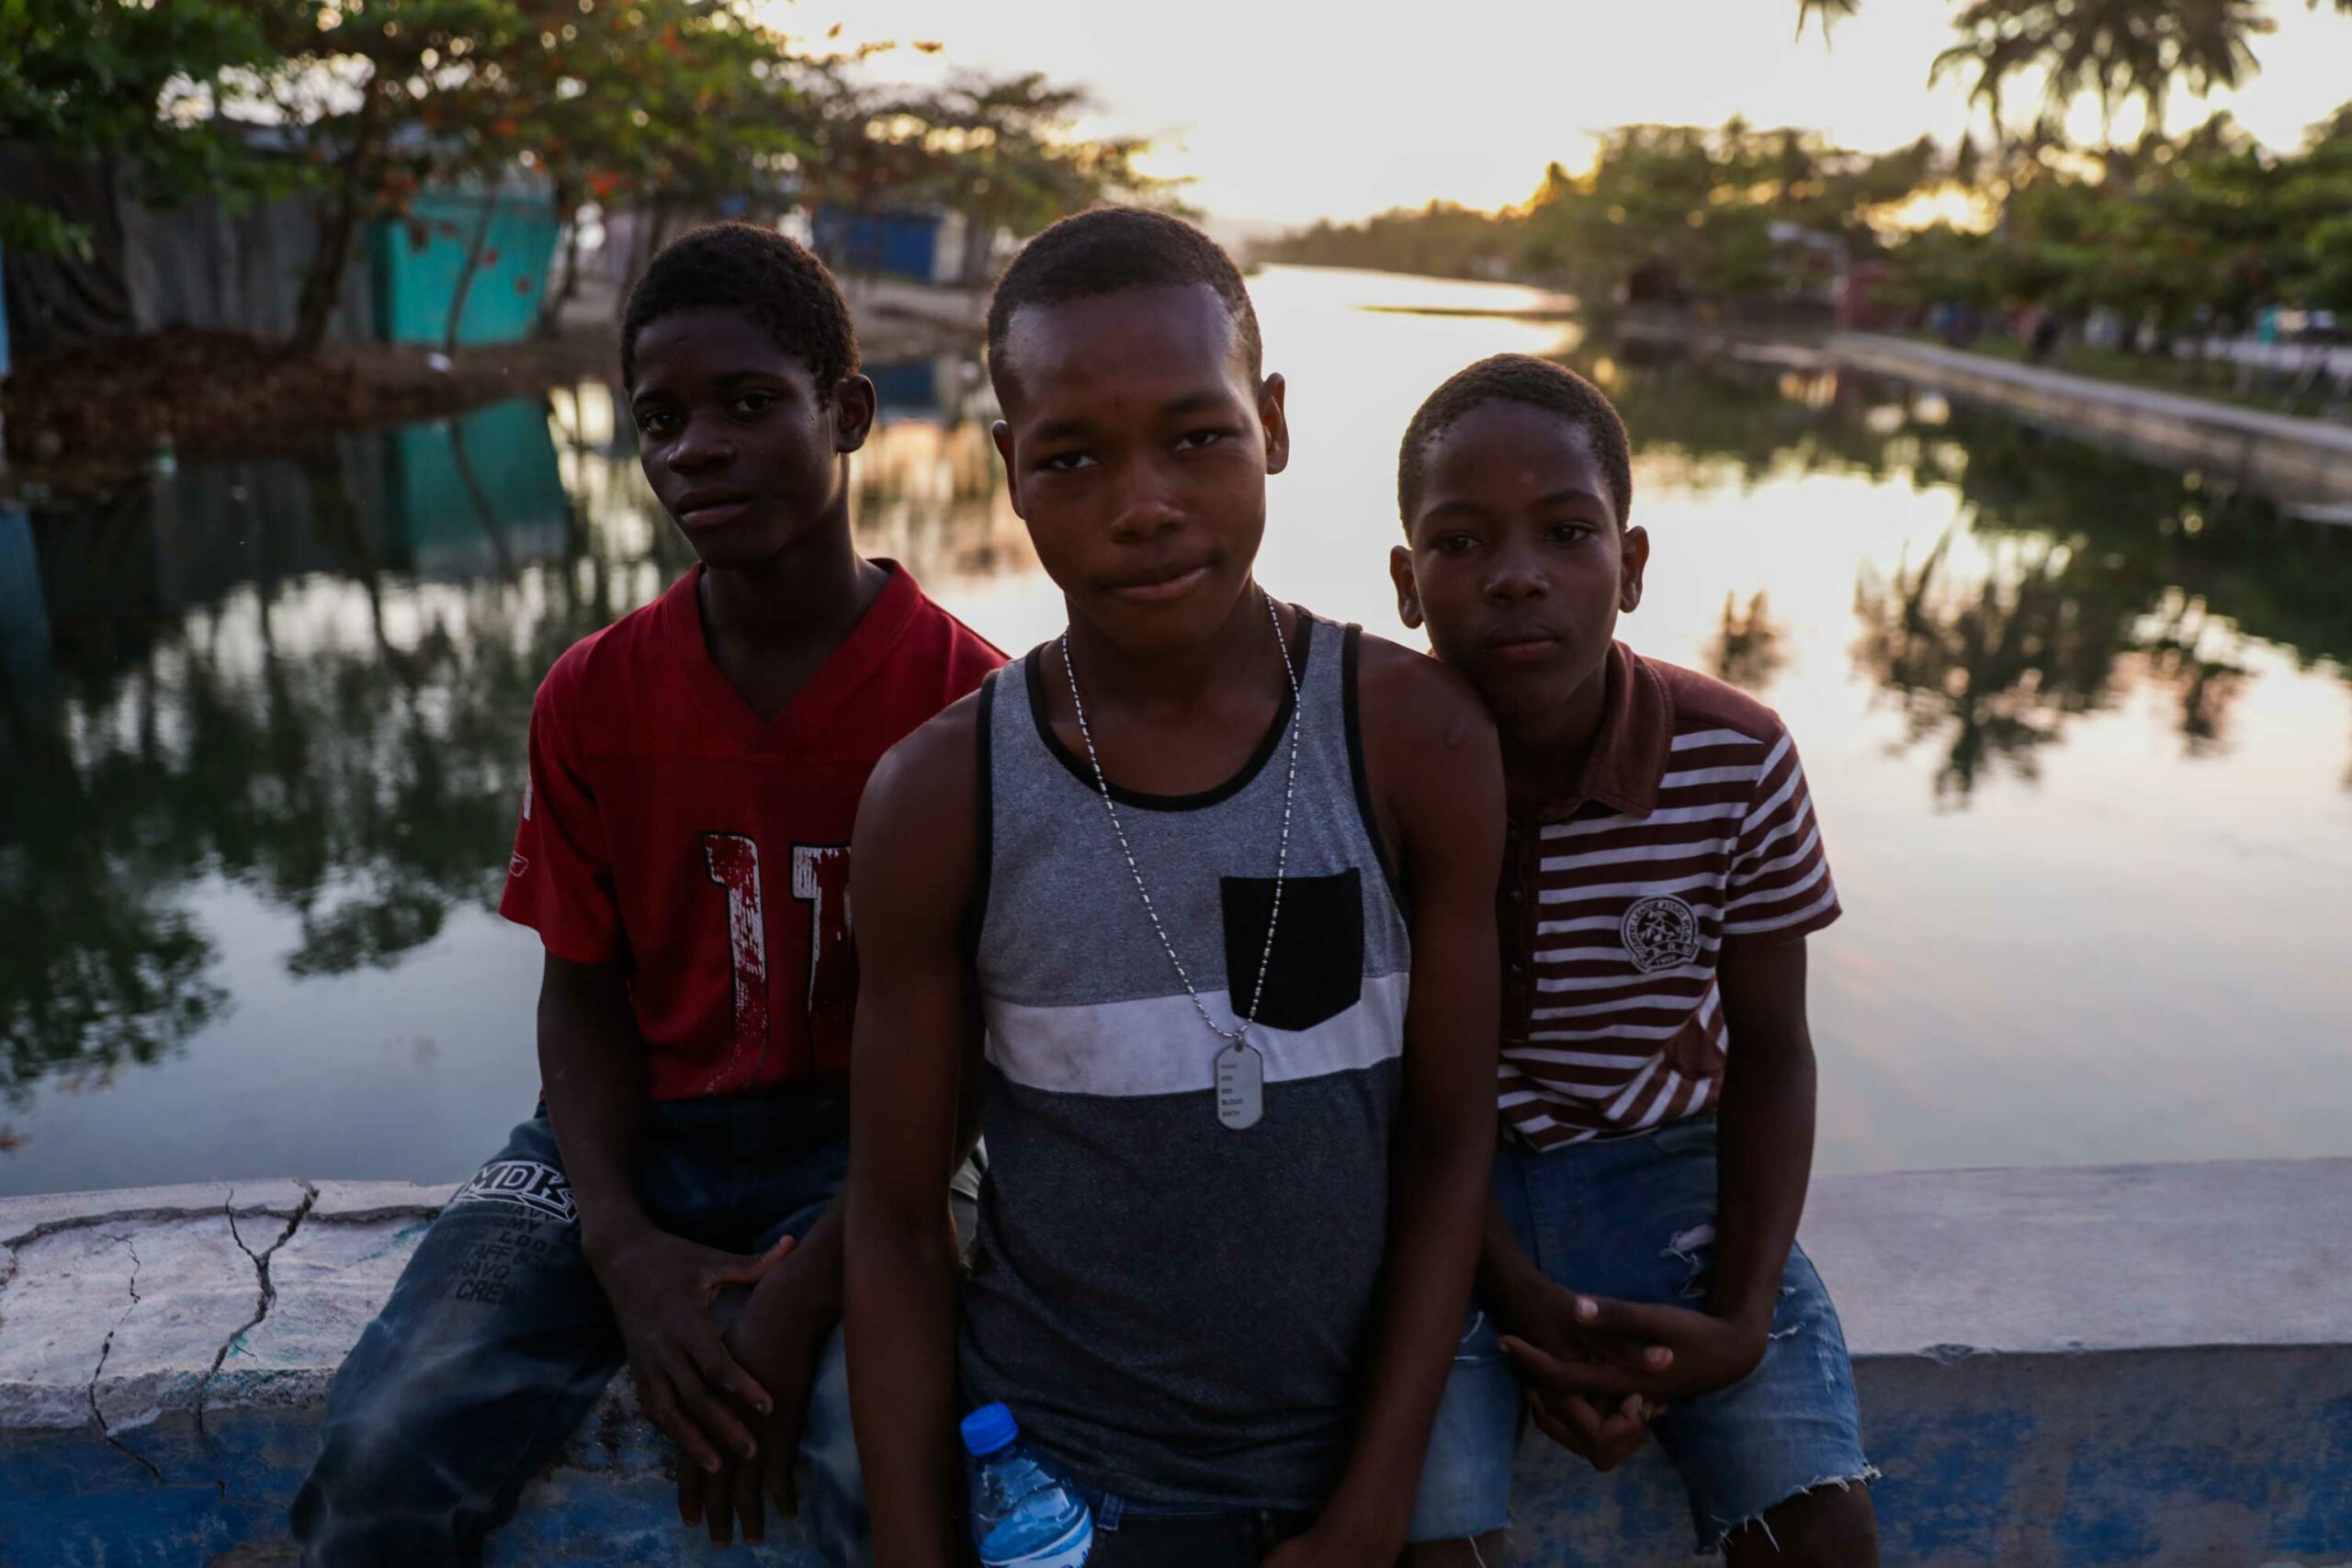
{"points": [[1535, 313]]}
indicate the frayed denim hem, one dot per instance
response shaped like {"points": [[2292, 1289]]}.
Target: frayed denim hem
{"points": [[1862, 1477]]}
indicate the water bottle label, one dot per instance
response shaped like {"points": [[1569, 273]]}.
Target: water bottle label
{"points": [[1070, 1552]]}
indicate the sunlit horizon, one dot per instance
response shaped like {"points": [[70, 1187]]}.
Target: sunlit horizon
{"points": [[1277, 115]]}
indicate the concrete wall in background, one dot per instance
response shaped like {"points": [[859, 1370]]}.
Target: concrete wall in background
{"points": [[204, 265], [2293, 460], [2143, 1365]]}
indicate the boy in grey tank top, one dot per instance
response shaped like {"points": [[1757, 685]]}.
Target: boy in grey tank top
{"points": [[1192, 908]]}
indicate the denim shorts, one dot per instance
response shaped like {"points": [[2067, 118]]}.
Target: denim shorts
{"points": [[1634, 1218]]}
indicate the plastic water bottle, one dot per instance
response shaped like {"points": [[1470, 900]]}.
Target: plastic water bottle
{"points": [[1023, 1513]]}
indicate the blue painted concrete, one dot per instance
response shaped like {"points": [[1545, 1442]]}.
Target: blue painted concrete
{"points": [[2238, 1456], [2163, 1377]]}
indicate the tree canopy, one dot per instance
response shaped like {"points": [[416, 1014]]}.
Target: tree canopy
{"points": [[677, 105]]}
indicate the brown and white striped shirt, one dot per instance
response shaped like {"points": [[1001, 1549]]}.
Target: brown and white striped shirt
{"points": [[1689, 822]]}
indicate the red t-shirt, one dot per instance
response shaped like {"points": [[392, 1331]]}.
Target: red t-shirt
{"points": [[666, 827]]}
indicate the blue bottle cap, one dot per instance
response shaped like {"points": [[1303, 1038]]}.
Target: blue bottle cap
{"points": [[989, 1429]]}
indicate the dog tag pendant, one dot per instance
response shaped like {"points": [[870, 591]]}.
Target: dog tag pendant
{"points": [[1241, 1086]]}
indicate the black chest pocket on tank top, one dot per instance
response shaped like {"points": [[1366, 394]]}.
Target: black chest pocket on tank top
{"points": [[1316, 969]]}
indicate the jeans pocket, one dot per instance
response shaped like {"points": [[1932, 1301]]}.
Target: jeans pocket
{"points": [[1691, 1135]]}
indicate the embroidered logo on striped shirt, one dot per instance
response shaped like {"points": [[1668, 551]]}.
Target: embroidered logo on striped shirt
{"points": [[1660, 933]]}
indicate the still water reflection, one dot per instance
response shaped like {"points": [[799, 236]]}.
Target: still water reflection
{"points": [[2080, 729]]}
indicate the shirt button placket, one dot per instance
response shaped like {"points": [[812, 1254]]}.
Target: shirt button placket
{"points": [[1517, 868]]}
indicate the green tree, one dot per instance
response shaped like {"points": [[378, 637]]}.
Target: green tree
{"points": [[2314, 214], [673, 102], [675, 105], [130, 83], [1729, 214], [387, 95], [1003, 150], [1442, 240], [1830, 13], [2114, 51]]}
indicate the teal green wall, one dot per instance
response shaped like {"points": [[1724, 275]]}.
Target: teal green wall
{"points": [[414, 284]]}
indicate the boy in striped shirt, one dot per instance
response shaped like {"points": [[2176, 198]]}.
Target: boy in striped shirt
{"points": [[1662, 871]]}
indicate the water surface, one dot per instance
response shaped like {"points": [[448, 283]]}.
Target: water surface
{"points": [[2080, 731]]}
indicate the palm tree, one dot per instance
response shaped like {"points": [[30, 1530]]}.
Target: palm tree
{"points": [[2117, 51], [1831, 11]]}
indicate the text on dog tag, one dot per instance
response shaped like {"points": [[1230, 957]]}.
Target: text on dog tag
{"points": [[1241, 1086]]}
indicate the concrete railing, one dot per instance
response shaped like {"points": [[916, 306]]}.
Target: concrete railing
{"points": [[2304, 461], [2146, 1364]]}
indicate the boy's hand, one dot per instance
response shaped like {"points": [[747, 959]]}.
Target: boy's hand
{"points": [[1678, 1351], [777, 1337], [1580, 1354], [1578, 1425], [1592, 1391], [662, 1287]]}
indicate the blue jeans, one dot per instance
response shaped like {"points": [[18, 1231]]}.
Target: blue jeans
{"points": [[1456, 1501], [1634, 1218], [497, 1340], [1129, 1534]]}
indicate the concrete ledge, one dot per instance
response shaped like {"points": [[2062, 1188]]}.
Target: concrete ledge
{"points": [[2129, 1365], [2296, 460]]}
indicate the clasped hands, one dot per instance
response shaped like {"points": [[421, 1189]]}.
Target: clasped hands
{"points": [[1596, 1372], [735, 1402]]}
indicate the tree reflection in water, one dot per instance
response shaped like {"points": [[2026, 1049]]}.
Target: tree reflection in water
{"points": [[311, 678], [257, 681], [2071, 575], [1748, 648]]}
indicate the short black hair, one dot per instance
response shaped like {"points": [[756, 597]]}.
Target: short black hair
{"points": [[1518, 379], [1110, 250], [778, 282]]}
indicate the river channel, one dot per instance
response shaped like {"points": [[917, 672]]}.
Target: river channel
{"points": [[2080, 730]]}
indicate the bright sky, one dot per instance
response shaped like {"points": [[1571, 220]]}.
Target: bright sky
{"points": [[1284, 110]]}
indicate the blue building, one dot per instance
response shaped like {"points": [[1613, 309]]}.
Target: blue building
{"points": [[920, 245]]}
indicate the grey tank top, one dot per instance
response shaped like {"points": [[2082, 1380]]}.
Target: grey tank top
{"points": [[1175, 1310]]}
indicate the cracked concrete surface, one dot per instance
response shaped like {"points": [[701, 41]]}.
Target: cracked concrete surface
{"points": [[250, 1293], [116, 1308], [2018, 1336], [106, 1349], [266, 1294]]}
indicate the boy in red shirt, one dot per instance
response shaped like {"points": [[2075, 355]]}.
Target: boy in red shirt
{"points": [[683, 853]]}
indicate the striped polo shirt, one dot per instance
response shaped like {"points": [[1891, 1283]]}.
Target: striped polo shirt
{"points": [[1689, 822]]}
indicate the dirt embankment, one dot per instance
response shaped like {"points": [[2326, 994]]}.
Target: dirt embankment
{"points": [[114, 404], [219, 394]]}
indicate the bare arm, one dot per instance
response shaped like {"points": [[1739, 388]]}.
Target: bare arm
{"points": [[912, 871], [592, 1065], [1765, 1156], [1437, 770], [779, 1337], [1764, 1163], [661, 1286]]}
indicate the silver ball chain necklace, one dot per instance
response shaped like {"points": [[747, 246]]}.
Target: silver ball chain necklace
{"points": [[1240, 1068]]}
